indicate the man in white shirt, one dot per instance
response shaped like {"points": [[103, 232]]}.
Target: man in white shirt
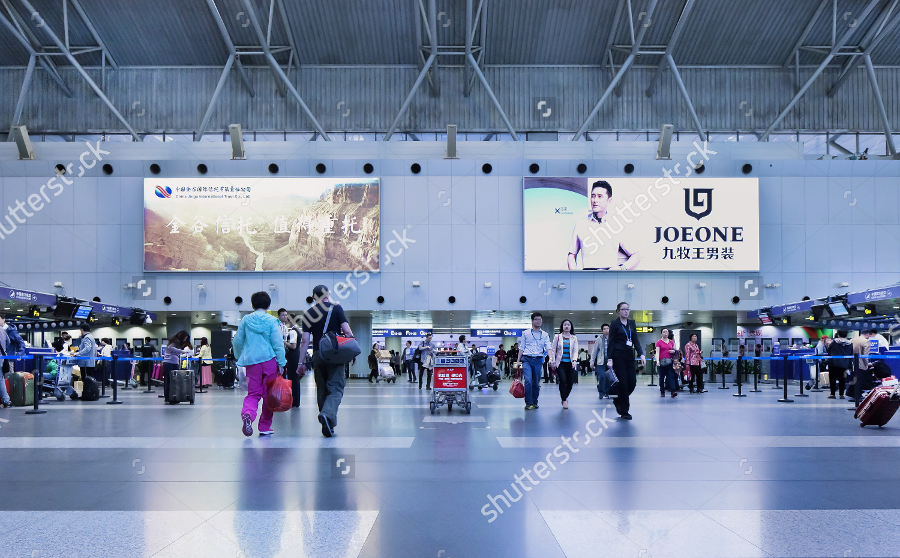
{"points": [[408, 353], [595, 244], [534, 346]]}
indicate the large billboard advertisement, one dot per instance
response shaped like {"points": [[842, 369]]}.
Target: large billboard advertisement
{"points": [[261, 224], [644, 224]]}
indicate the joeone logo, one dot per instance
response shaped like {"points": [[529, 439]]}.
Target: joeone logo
{"points": [[702, 198]]}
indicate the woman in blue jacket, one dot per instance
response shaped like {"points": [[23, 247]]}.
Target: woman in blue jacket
{"points": [[259, 347]]}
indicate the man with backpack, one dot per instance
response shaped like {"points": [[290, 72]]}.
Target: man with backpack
{"points": [[837, 367]]}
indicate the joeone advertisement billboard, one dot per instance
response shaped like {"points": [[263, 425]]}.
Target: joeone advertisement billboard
{"points": [[643, 224]]}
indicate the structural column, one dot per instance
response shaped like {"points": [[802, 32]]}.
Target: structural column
{"points": [[362, 331]]}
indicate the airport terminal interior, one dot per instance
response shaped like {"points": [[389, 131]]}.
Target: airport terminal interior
{"points": [[432, 278]]}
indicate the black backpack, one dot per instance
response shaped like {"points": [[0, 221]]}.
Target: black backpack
{"points": [[417, 356], [841, 349]]}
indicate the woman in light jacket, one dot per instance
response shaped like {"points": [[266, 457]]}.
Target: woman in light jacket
{"points": [[205, 356], [563, 353], [179, 346]]}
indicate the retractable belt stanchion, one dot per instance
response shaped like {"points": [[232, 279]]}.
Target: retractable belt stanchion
{"points": [[38, 379], [200, 376], [784, 383], [739, 394], [816, 388], [756, 375], [723, 386], [652, 371], [104, 376], [801, 363], [150, 377], [856, 384], [115, 384]]}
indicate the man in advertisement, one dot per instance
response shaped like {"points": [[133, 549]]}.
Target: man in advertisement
{"points": [[595, 243]]}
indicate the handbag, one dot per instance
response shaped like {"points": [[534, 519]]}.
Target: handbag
{"points": [[611, 377], [337, 349], [278, 395], [517, 388]]}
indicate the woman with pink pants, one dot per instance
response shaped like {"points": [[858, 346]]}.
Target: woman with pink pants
{"points": [[259, 347]]}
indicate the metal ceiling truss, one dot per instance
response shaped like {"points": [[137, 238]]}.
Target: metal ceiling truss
{"points": [[280, 76], [635, 49], [858, 54], [476, 25], [668, 59], [63, 49], [22, 32]]}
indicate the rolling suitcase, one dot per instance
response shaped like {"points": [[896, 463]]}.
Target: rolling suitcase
{"points": [[90, 390], [879, 406], [16, 389], [181, 387]]}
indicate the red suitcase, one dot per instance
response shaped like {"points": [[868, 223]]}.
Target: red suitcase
{"points": [[879, 406]]}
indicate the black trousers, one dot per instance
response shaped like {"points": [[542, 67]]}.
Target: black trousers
{"points": [[567, 377], [422, 372], [623, 366], [291, 368], [168, 367], [696, 376], [837, 378]]}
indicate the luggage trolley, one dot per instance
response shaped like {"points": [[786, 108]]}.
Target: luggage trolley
{"points": [[450, 372]]}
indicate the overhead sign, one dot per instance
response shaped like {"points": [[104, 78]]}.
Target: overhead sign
{"points": [[644, 329], [400, 332], [110, 309], [30, 297], [496, 332], [262, 224], [873, 295], [643, 224], [794, 307]]}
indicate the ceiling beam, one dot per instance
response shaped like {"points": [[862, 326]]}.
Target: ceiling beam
{"points": [[277, 69], [607, 51], [806, 31], [62, 47], [679, 27], [93, 31], [229, 44], [618, 77], [886, 30], [16, 26], [879, 102]]}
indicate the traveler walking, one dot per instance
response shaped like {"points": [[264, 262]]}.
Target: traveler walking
{"points": [[259, 347], [408, 354], [599, 359], [535, 346], [373, 365], [565, 347], [330, 380], [500, 357], [693, 359], [291, 339], [664, 364], [623, 344], [87, 350], [426, 357]]}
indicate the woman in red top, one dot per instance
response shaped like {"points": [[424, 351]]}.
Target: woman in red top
{"points": [[693, 359], [664, 348]]}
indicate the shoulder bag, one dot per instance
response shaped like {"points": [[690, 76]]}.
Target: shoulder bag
{"points": [[334, 348], [517, 388]]}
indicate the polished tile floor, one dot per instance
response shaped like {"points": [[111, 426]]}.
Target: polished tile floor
{"points": [[701, 475]]}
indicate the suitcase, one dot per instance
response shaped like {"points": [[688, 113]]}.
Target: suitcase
{"points": [[29, 389], [16, 389], [227, 381], [157, 371], [90, 390], [879, 406], [181, 387]]}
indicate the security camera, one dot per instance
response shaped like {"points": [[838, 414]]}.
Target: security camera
{"points": [[689, 324]]}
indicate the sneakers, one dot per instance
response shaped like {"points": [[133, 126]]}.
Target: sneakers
{"points": [[327, 429], [674, 393], [530, 407], [248, 425], [626, 416], [266, 433]]}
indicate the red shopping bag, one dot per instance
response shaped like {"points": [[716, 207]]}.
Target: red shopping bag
{"points": [[517, 388], [278, 394]]}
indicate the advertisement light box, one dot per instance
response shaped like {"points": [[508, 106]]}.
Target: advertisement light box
{"points": [[643, 224], [261, 224]]}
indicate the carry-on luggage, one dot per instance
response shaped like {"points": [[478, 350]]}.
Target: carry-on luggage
{"points": [[181, 387], [21, 389], [879, 406], [386, 373], [90, 390]]}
